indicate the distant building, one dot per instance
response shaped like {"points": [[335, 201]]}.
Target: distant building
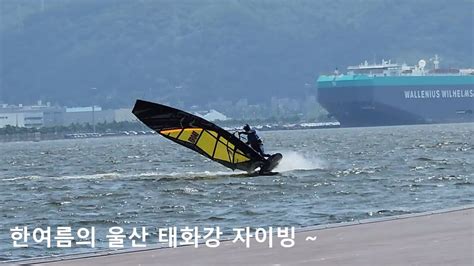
{"points": [[34, 116], [124, 115], [86, 115], [12, 119], [212, 115], [40, 115], [83, 115]]}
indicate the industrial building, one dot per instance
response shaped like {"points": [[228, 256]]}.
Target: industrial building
{"points": [[45, 115]]}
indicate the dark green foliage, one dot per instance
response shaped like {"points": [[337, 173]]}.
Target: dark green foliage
{"points": [[196, 51]]}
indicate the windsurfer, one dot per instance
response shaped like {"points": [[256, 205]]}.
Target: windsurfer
{"points": [[254, 140]]}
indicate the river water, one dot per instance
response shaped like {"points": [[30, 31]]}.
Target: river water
{"points": [[326, 176]]}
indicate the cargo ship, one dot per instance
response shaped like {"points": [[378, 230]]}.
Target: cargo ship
{"points": [[398, 94]]}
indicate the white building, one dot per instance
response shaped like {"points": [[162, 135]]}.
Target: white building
{"points": [[83, 115], [212, 115], [124, 115], [12, 119], [29, 116], [46, 116]]}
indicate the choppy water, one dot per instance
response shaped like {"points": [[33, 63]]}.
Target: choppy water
{"points": [[327, 176]]}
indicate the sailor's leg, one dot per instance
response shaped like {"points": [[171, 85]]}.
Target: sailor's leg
{"points": [[254, 146], [261, 151]]}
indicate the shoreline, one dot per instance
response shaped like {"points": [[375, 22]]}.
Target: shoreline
{"points": [[34, 137], [37, 136], [442, 236]]}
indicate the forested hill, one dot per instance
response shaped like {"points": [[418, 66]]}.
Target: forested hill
{"points": [[200, 51]]}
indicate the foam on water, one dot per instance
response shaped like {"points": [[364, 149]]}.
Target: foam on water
{"points": [[142, 175], [65, 177], [297, 161], [110, 175], [19, 178]]}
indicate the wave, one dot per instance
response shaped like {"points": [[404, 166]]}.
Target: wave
{"points": [[136, 176], [28, 177]]}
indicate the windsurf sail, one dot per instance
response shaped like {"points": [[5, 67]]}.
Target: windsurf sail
{"points": [[199, 135]]}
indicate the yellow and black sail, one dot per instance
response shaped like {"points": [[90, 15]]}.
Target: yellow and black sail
{"points": [[199, 135]]}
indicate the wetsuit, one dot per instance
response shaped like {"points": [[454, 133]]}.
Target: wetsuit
{"points": [[255, 142]]}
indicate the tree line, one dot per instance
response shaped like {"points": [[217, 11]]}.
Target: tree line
{"points": [[200, 51]]}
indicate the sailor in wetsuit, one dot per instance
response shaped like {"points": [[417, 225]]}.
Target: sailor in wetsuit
{"points": [[254, 140]]}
